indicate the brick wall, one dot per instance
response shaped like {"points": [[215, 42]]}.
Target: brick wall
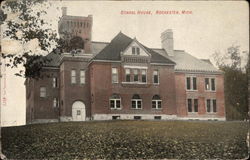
{"points": [[102, 88]]}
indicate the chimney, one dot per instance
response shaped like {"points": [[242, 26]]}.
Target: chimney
{"points": [[167, 42], [64, 11]]}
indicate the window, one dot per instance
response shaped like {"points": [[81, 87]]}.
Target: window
{"points": [[116, 117], [115, 101], [55, 102], [143, 76], [156, 102], [191, 83], [73, 76], [137, 117], [210, 84], [114, 75], [127, 71], [211, 106], [136, 77], [156, 77], [42, 91], [157, 117], [82, 76], [193, 105], [78, 112], [136, 102], [54, 82], [135, 51], [81, 24]]}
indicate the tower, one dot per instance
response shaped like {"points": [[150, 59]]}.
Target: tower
{"points": [[77, 30]]}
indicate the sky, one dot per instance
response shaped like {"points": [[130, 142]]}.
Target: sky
{"points": [[205, 27]]}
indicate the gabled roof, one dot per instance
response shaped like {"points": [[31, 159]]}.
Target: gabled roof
{"points": [[118, 44], [188, 63], [113, 49]]}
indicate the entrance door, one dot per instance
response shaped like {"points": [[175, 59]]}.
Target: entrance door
{"points": [[78, 111]]}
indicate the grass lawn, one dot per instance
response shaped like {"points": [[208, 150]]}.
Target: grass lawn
{"points": [[127, 139]]}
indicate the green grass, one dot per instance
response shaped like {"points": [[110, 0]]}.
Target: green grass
{"points": [[127, 139]]}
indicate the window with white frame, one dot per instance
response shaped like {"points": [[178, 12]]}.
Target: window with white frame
{"points": [[143, 75], [210, 84], [191, 83], [136, 102], [136, 76], [82, 76], [42, 91], [135, 51], [115, 101], [73, 76], [54, 82], [156, 77], [211, 106], [156, 102], [114, 75], [55, 102], [127, 72], [193, 105]]}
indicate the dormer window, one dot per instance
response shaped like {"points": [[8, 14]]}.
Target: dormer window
{"points": [[135, 51]]}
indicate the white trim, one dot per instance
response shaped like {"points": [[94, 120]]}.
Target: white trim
{"points": [[162, 64], [115, 106], [137, 82], [191, 83], [157, 104], [136, 103], [151, 117], [47, 67], [135, 67], [210, 84], [104, 61], [199, 72]]}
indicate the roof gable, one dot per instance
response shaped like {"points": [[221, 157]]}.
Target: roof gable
{"points": [[120, 43], [136, 44]]}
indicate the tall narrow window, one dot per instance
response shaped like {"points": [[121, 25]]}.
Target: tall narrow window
{"points": [[133, 50], [136, 78], [115, 101], [214, 105], [212, 84], [156, 77], [196, 105], [188, 83], [73, 76], [190, 105], [208, 105], [114, 75], [207, 85], [194, 83], [55, 102], [191, 83], [137, 51], [143, 76], [136, 102], [156, 102], [127, 75], [54, 82], [42, 91], [82, 76]]}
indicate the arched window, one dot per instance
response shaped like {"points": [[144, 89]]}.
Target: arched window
{"points": [[136, 102], [115, 101], [156, 102]]}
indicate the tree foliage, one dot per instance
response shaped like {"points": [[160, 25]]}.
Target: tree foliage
{"points": [[235, 83], [29, 24]]}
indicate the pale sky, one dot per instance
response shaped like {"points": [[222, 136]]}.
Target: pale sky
{"points": [[212, 26]]}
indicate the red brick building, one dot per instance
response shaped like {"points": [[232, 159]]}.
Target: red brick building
{"points": [[123, 79]]}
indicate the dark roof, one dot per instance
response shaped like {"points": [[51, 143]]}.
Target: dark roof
{"points": [[118, 44], [113, 49], [54, 60]]}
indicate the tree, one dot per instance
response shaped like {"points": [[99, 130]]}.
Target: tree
{"points": [[27, 24], [235, 83]]}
